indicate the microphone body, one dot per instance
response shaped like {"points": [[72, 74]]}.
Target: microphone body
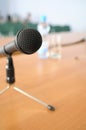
{"points": [[9, 48], [27, 41]]}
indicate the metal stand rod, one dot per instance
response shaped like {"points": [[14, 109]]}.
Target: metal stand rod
{"points": [[4, 90], [34, 98]]}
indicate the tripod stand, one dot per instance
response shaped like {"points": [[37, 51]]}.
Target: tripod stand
{"points": [[10, 78]]}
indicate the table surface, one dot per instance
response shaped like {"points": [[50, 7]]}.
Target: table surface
{"points": [[61, 83]]}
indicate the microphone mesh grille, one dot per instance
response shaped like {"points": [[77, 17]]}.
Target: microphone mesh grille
{"points": [[29, 41]]}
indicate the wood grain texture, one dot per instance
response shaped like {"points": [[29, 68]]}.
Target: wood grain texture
{"points": [[61, 83]]}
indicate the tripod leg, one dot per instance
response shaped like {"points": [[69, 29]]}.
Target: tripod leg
{"points": [[34, 98], [5, 89]]}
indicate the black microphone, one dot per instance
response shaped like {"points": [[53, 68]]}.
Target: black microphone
{"points": [[27, 41]]}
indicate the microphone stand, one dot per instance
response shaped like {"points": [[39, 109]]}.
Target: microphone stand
{"points": [[10, 78]]}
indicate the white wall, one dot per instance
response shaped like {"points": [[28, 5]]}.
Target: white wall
{"points": [[3, 7], [72, 12]]}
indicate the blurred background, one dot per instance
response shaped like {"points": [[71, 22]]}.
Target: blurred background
{"points": [[62, 15]]}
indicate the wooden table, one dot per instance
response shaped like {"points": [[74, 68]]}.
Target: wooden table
{"points": [[61, 83]]}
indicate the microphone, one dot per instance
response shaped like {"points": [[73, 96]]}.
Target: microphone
{"points": [[27, 41]]}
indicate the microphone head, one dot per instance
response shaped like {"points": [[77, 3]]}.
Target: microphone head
{"points": [[28, 41]]}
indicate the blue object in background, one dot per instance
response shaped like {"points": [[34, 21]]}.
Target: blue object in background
{"points": [[43, 18]]}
